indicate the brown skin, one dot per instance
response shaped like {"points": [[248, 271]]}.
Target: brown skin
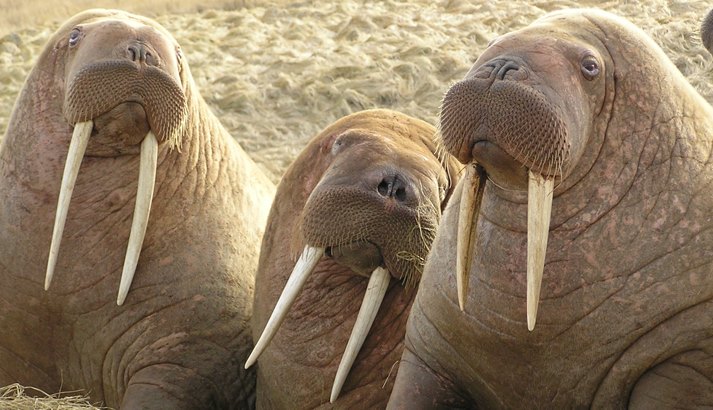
{"points": [[181, 336], [624, 314], [347, 172]]}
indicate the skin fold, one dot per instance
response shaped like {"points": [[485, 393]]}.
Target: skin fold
{"points": [[181, 336], [624, 316], [370, 188]]}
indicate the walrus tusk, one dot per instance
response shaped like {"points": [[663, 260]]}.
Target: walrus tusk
{"points": [[375, 291], [142, 208], [539, 209], [77, 146], [471, 198], [304, 267]]}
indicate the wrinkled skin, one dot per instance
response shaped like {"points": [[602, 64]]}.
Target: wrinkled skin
{"points": [[181, 336], [625, 308], [345, 173]]}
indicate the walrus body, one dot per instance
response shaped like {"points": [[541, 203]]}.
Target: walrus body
{"points": [[625, 312], [181, 336], [368, 191]]}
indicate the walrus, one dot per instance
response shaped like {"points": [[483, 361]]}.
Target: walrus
{"points": [[359, 204], [588, 264], [110, 139]]}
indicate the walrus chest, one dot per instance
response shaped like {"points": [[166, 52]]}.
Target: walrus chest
{"points": [[606, 300]]}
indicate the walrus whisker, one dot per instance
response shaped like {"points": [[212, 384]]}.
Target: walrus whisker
{"points": [[539, 209], [77, 147], [375, 291], [471, 198], [303, 268], [142, 208]]}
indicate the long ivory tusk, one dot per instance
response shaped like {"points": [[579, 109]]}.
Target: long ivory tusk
{"points": [[471, 198], [539, 209], [77, 146], [375, 291], [304, 267], [142, 208]]}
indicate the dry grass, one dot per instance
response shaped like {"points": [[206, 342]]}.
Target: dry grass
{"points": [[19, 14], [276, 72], [15, 397]]}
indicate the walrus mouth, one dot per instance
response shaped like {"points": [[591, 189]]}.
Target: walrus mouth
{"points": [[144, 196], [522, 124], [375, 291]]}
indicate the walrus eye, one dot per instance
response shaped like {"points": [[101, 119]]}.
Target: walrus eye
{"points": [[337, 145], [74, 37], [590, 67]]}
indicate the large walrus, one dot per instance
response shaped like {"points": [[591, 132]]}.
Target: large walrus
{"points": [[362, 202], [582, 115], [111, 102]]}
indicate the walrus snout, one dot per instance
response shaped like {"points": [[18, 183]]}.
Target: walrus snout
{"points": [[102, 86], [516, 117]]}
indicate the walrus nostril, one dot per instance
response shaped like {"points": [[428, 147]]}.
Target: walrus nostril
{"points": [[133, 52], [505, 68], [139, 53], [393, 187], [400, 194], [383, 188]]}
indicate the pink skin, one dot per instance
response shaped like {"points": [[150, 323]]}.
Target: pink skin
{"points": [[624, 314], [180, 338]]}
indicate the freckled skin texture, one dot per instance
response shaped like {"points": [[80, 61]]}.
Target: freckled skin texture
{"points": [[624, 316], [350, 158], [181, 337]]}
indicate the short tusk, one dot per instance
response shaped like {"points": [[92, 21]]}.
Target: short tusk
{"points": [[304, 267], [77, 146], [539, 209], [471, 199], [142, 208], [375, 291]]}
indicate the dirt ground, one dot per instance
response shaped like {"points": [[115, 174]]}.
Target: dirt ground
{"points": [[278, 72]]}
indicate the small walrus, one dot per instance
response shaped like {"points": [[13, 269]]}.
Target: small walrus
{"points": [[108, 130], [362, 200], [588, 262]]}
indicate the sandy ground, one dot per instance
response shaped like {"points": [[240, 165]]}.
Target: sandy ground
{"points": [[278, 72]]}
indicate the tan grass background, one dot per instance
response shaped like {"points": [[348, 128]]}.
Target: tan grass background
{"points": [[276, 72]]}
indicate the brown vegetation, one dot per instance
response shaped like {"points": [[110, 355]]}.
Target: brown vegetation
{"points": [[276, 72]]}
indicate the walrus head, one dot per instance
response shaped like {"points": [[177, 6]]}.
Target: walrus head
{"points": [[123, 93], [373, 206], [385, 210], [521, 118]]}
